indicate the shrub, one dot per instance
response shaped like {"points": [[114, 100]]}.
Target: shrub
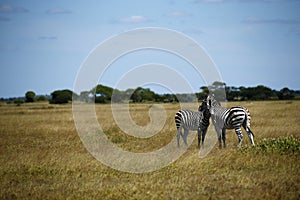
{"points": [[18, 102], [61, 96], [30, 96], [281, 145]]}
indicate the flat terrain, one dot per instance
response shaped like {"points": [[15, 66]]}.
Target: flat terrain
{"points": [[42, 157]]}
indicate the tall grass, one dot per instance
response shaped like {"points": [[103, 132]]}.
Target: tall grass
{"points": [[42, 157]]}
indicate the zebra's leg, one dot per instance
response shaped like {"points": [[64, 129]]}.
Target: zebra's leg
{"points": [[179, 133], [224, 137], [185, 134], [199, 137], [239, 134], [203, 137], [250, 134], [219, 136]]}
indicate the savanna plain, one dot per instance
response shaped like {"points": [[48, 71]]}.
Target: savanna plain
{"points": [[42, 157]]}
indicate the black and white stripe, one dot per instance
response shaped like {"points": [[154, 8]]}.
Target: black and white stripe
{"points": [[229, 118], [194, 121]]}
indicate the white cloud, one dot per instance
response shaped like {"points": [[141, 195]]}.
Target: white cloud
{"points": [[133, 19]]}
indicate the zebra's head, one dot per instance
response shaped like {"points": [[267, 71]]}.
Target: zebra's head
{"points": [[203, 105], [212, 102]]}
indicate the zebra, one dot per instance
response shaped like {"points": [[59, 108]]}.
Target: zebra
{"points": [[192, 120], [229, 118]]}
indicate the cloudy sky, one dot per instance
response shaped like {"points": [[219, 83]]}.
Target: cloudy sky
{"points": [[44, 43]]}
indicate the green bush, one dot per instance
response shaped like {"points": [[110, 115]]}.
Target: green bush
{"points": [[18, 102], [61, 96], [30, 96], [281, 145]]}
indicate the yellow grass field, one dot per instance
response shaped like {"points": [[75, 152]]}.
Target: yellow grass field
{"points": [[42, 157]]}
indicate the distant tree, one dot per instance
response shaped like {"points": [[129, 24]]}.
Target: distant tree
{"points": [[204, 89], [158, 98], [18, 102], [232, 93], [136, 95], [103, 94], [285, 94], [30, 96], [119, 96], [169, 98], [186, 97], [147, 94], [61, 96], [41, 98], [218, 88], [141, 94], [86, 96], [259, 92], [263, 93], [201, 95]]}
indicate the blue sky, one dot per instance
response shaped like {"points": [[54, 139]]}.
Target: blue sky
{"points": [[44, 43]]}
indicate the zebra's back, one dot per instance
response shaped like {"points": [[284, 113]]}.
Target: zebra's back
{"points": [[188, 119], [233, 117]]}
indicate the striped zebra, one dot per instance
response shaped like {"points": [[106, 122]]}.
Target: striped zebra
{"points": [[229, 118], [194, 121]]}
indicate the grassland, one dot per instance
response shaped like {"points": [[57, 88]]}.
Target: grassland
{"points": [[42, 157]]}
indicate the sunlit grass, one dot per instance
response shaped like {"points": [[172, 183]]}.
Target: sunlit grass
{"points": [[42, 157]]}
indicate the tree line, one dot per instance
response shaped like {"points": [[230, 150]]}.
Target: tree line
{"points": [[104, 94]]}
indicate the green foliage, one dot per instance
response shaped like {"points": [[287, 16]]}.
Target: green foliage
{"points": [[285, 93], [105, 94], [218, 88], [61, 96], [41, 98], [186, 97], [117, 139], [281, 145], [18, 102], [30, 96], [259, 92], [142, 94]]}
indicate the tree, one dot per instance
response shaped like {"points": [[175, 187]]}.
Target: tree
{"points": [[201, 95], [30, 96], [18, 102], [285, 94], [103, 94], [263, 93], [232, 93], [61, 96], [147, 95], [41, 98], [205, 90], [136, 95], [86, 96], [259, 92], [218, 88], [119, 96]]}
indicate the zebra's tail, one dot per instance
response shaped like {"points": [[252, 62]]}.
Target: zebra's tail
{"points": [[178, 119], [248, 120]]}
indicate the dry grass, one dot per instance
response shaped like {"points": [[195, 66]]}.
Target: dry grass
{"points": [[42, 157]]}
